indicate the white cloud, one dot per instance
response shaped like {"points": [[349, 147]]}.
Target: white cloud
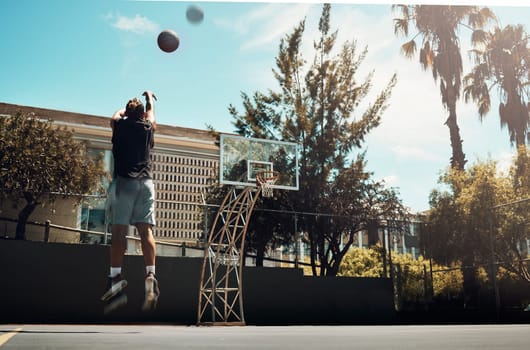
{"points": [[265, 25], [277, 21], [249, 21], [412, 128], [504, 162], [137, 24], [391, 180], [415, 152]]}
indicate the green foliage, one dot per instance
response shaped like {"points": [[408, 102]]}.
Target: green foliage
{"points": [[39, 161], [414, 274], [512, 219], [458, 223], [414, 284], [502, 59], [362, 262], [481, 212], [447, 281], [411, 273]]}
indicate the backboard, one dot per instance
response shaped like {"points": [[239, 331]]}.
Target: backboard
{"points": [[242, 157]]}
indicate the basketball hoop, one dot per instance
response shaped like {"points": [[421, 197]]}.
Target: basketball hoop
{"points": [[266, 179]]}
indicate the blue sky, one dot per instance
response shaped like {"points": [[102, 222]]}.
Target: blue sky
{"points": [[91, 56]]}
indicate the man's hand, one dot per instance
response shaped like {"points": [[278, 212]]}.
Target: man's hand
{"points": [[150, 107], [148, 94], [117, 116]]}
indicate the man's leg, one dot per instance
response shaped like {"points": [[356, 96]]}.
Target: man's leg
{"points": [[118, 245], [114, 296], [148, 243], [149, 252], [120, 199]]}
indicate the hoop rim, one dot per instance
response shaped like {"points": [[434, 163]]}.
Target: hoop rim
{"points": [[266, 176]]}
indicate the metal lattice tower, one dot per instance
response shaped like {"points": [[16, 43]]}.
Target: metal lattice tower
{"points": [[220, 292]]}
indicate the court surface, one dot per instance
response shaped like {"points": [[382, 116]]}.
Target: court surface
{"points": [[454, 337]]}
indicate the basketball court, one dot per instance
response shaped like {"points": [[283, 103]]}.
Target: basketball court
{"points": [[95, 337]]}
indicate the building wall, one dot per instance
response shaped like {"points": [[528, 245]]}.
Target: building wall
{"points": [[399, 242], [180, 179]]}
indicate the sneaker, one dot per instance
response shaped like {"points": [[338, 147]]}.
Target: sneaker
{"points": [[151, 292], [114, 297], [115, 286]]}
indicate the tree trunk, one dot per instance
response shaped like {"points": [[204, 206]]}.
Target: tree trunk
{"points": [[471, 287], [373, 234], [23, 218], [313, 252], [333, 268], [322, 256], [458, 159], [337, 256], [458, 162], [260, 255]]}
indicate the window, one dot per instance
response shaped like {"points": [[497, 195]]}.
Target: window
{"points": [[178, 182]]}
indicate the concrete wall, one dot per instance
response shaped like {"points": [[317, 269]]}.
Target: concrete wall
{"points": [[62, 283]]}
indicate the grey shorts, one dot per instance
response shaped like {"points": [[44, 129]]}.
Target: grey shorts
{"points": [[131, 201]]}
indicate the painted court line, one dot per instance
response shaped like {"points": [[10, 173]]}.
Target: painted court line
{"points": [[4, 338]]}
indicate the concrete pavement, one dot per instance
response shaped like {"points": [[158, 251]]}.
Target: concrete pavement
{"points": [[143, 337]]}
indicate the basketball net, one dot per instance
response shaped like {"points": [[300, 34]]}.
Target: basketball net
{"points": [[266, 179]]}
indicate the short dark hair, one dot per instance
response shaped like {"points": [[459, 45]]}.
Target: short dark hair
{"points": [[134, 109]]}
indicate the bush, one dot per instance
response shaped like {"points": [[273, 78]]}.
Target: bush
{"points": [[361, 262], [411, 276]]}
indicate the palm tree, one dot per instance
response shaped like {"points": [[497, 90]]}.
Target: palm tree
{"points": [[438, 26], [502, 60]]}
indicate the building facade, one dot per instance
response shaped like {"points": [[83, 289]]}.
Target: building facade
{"points": [[185, 161]]}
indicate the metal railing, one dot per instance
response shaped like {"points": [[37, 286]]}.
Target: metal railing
{"points": [[47, 226]]}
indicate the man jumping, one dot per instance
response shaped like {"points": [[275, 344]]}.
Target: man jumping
{"points": [[132, 197]]}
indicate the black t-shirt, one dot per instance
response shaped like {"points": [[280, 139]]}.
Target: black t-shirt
{"points": [[132, 140]]}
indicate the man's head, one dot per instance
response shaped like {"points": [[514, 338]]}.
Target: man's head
{"points": [[134, 109]]}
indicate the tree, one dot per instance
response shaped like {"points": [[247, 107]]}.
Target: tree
{"points": [[269, 228], [39, 161], [503, 60], [438, 26], [460, 218], [316, 108], [470, 222], [358, 204], [513, 216]]}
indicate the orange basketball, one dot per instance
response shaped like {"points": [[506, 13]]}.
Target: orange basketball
{"points": [[168, 40]]}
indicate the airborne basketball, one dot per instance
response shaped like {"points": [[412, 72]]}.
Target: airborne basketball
{"points": [[194, 14], [168, 41]]}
